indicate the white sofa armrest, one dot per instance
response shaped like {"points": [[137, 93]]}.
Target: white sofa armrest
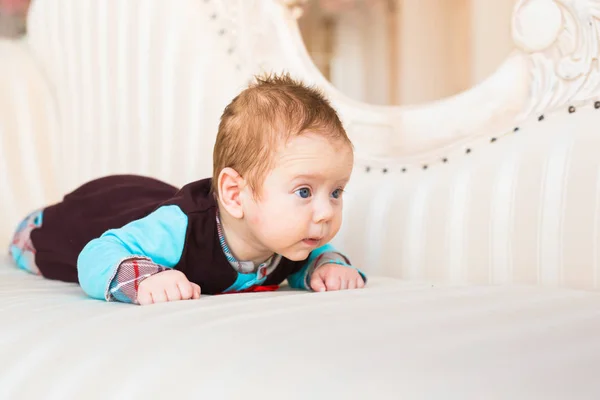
{"points": [[28, 136]]}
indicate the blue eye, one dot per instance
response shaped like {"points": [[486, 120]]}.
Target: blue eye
{"points": [[337, 193], [304, 193]]}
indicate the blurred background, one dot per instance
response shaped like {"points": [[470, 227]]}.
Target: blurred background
{"points": [[389, 52], [13, 14], [407, 51]]}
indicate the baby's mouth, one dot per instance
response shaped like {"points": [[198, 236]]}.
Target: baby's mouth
{"points": [[312, 241]]}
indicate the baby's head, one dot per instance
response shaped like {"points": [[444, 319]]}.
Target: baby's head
{"points": [[281, 161]]}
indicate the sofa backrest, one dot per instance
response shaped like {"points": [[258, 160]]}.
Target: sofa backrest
{"points": [[498, 184], [139, 85]]}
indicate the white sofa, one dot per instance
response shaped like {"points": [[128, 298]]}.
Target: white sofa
{"points": [[477, 217]]}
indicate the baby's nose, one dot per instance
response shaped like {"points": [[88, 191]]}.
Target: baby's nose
{"points": [[323, 212]]}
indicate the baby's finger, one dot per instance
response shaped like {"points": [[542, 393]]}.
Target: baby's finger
{"points": [[360, 283], [173, 293], [333, 282], [186, 289], [159, 296], [317, 284], [144, 298], [197, 291], [343, 283], [352, 284]]}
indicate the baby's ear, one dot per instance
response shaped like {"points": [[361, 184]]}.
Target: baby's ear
{"points": [[230, 185]]}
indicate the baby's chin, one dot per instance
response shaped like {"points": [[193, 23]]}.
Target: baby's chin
{"points": [[296, 254], [300, 251]]}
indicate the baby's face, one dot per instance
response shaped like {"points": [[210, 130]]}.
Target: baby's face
{"points": [[300, 206]]}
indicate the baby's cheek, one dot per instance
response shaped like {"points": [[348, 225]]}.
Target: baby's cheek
{"points": [[336, 223], [256, 215], [254, 219]]}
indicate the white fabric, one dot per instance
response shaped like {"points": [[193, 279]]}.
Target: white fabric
{"points": [[392, 340], [523, 209], [29, 137], [138, 86]]}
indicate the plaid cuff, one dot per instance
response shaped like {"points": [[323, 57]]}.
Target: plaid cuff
{"points": [[131, 271], [331, 258]]}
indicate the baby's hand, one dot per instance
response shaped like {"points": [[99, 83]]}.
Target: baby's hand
{"points": [[330, 277], [170, 285]]}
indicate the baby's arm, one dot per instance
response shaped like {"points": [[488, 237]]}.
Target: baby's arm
{"points": [[113, 266], [327, 269]]}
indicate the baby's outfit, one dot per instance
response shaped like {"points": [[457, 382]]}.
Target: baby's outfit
{"points": [[112, 233]]}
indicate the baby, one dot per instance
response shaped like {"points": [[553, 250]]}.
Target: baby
{"points": [[281, 161]]}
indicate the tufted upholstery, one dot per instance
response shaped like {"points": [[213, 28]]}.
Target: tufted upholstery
{"points": [[448, 191]]}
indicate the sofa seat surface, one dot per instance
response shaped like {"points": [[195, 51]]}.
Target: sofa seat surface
{"points": [[394, 339]]}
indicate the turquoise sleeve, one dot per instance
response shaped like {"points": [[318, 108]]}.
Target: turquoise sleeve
{"points": [[301, 279], [160, 236]]}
